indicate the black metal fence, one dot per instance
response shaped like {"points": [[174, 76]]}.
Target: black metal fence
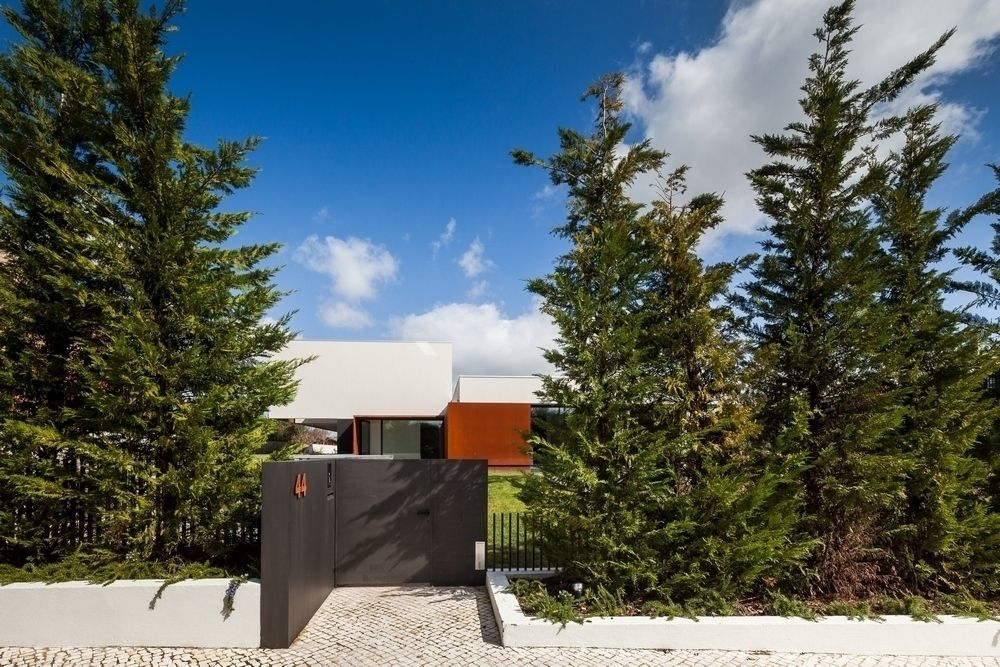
{"points": [[75, 526], [514, 544]]}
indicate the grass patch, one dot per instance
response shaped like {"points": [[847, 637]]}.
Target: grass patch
{"points": [[503, 486]]}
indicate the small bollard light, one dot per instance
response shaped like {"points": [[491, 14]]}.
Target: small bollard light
{"points": [[577, 589]]}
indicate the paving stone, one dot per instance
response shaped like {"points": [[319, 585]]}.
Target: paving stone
{"points": [[431, 627]]}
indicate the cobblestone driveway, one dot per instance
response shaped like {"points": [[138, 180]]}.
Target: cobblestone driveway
{"points": [[426, 626]]}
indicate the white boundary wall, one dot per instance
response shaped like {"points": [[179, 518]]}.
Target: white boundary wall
{"points": [[76, 613], [895, 635], [367, 378], [497, 389]]}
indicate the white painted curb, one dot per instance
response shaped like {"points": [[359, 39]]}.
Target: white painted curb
{"points": [[895, 635], [77, 613]]}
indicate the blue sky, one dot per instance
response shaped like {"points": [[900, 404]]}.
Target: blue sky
{"points": [[383, 121]]}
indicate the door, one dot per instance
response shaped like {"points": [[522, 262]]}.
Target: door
{"points": [[383, 523], [459, 518], [410, 522]]}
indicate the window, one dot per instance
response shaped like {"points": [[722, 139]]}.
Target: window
{"points": [[403, 438]]}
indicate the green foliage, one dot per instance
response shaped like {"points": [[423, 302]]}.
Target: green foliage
{"points": [[535, 600], [858, 611], [825, 359], [986, 262], [659, 609], [651, 483], [910, 605], [103, 567], [138, 366], [987, 294], [779, 604], [598, 467], [945, 537]]}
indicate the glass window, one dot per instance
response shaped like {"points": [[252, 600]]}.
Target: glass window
{"points": [[366, 437], [412, 438], [546, 420]]}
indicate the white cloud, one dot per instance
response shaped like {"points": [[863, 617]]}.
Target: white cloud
{"points": [[548, 192], [342, 315], [445, 238], [473, 261], [356, 266], [322, 215], [544, 199], [486, 340], [702, 106], [478, 289]]}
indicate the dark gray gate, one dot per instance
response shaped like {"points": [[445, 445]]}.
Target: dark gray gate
{"points": [[364, 522], [410, 522]]}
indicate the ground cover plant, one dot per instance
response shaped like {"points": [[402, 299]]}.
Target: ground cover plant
{"points": [[817, 438], [551, 599], [135, 367]]}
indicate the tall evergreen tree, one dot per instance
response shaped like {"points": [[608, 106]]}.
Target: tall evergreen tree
{"points": [[50, 238], [598, 468], [986, 293], [987, 299], [824, 363], [172, 378], [947, 538], [650, 486], [722, 524]]}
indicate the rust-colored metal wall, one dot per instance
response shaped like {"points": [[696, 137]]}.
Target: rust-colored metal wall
{"points": [[492, 431]]}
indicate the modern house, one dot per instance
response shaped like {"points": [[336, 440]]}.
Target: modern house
{"points": [[397, 397]]}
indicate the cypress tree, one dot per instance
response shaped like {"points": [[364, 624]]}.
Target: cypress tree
{"points": [[946, 539], [986, 295], [599, 467], [53, 266], [824, 362], [650, 486], [986, 262], [172, 375], [723, 525]]}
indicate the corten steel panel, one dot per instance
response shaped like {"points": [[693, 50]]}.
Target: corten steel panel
{"points": [[491, 431], [409, 521], [297, 547]]}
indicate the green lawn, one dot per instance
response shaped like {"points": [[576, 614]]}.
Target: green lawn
{"points": [[503, 492]]}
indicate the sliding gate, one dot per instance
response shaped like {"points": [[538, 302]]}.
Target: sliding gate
{"points": [[410, 522]]}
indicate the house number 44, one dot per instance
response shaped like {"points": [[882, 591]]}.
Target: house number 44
{"points": [[301, 486]]}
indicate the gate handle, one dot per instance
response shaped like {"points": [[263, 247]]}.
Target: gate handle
{"points": [[423, 512]]}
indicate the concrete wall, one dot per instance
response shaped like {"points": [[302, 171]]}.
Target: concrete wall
{"points": [[76, 613], [891, 636], [497, 389], [350, 378]]}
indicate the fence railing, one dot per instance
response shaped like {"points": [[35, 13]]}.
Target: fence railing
{"points": [[514, 544], [76, 527]]}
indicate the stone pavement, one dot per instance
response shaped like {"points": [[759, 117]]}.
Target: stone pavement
{"points": [[414, 626]]}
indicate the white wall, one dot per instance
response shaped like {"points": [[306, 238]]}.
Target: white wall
{"points": [[76, 613], [350, 378], [892, 636], [497, 389]]}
